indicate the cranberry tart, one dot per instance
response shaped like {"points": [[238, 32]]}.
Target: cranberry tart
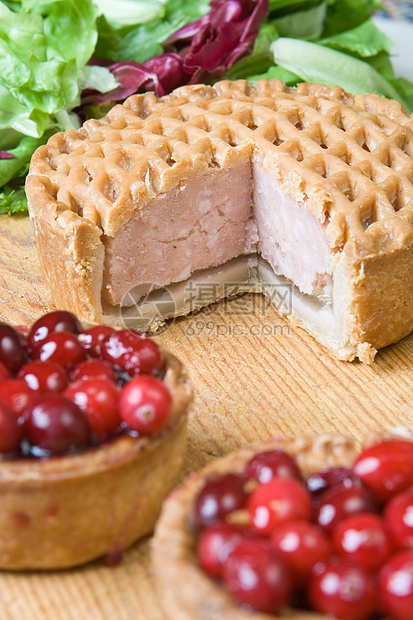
{"points": [[92, 438], [304, 194], [292, 528]]}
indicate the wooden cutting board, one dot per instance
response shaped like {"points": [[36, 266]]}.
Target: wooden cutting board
{"points": [[254, 376]]}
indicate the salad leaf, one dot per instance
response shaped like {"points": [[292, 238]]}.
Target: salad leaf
{"points": [[363, 40], [347, 14], [129, 12], [318, 64], [307, 24], [13, 202]]}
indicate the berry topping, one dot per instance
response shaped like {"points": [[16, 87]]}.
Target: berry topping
{"points": [[304, 547], [276, 502], [4, 373], [343, 591], [132, 353], [362, 539], [396, 586], [398, 516], [98, 398], [56, 321], [13, 348], [340, 502], [145, 404], [61, 347], [268, 465], [55, 424], [257, 575], [44, 377], [215, 545], [325, 479], [219, 497], [17, 395], [93, 369], [11, 431], [92, 338], [386, 468]]}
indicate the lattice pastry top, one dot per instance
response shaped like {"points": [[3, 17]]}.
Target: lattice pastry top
{"points": [[348, 159]]}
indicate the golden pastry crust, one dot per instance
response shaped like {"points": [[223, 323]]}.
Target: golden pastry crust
{"points": [[64, 511], [189, 593], [347, 159]]}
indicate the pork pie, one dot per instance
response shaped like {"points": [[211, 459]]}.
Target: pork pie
{"points": [[306, 191]]}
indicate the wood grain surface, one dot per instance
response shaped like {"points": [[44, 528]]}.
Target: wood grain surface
{"points": [[254, 376]]}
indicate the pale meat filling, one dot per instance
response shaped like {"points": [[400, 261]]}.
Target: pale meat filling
{"points": [[201, 230]]}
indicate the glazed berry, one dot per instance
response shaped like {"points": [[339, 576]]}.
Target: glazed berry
{"points": [[4, 373], [44, 377], [56, 321], [398, 516], [98, 398], [257, 575], [61, 347], [145, 404], [340, 502], [386, 468], [219, 497], [55, 424], [343, 591], [11, 432], [396, 586], [17, 395], [92, 338], [216, 543], [362, 539], [132, 353], [268, 465], [13, 348], [330, 477], [276, 502], [93, 369], [304, 546]]}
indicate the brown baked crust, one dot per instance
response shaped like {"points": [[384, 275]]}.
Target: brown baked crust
{"points": [[64, 511], [187, 591]]}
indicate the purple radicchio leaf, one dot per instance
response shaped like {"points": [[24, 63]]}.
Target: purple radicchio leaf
{"points": [[6, 155], [220, 38], [199, 52]]}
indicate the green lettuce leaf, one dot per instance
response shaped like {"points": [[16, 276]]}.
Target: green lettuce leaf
{"points": [[363, 40], [13, 201], [307, 24], [346, 14]]}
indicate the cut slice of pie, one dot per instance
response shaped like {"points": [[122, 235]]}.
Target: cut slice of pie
{"points": [[169, 204]]}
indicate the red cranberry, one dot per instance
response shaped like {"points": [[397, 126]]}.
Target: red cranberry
{"points": [[11, 432], [216, 543], [55, 424], [398, 516], [343, 591], [276, 502], [268, 465], [396, 586], [257, 575], [44, 377], [340, 502], [61, 347], [98, 398], [93, 369], [330, 477], [386, 468], [362, 539], [56, 321], [219, 497], [4, 373], [92, 338], [145, 404], [13, 348], [303, 546], [132, 353], [17, 395]]}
